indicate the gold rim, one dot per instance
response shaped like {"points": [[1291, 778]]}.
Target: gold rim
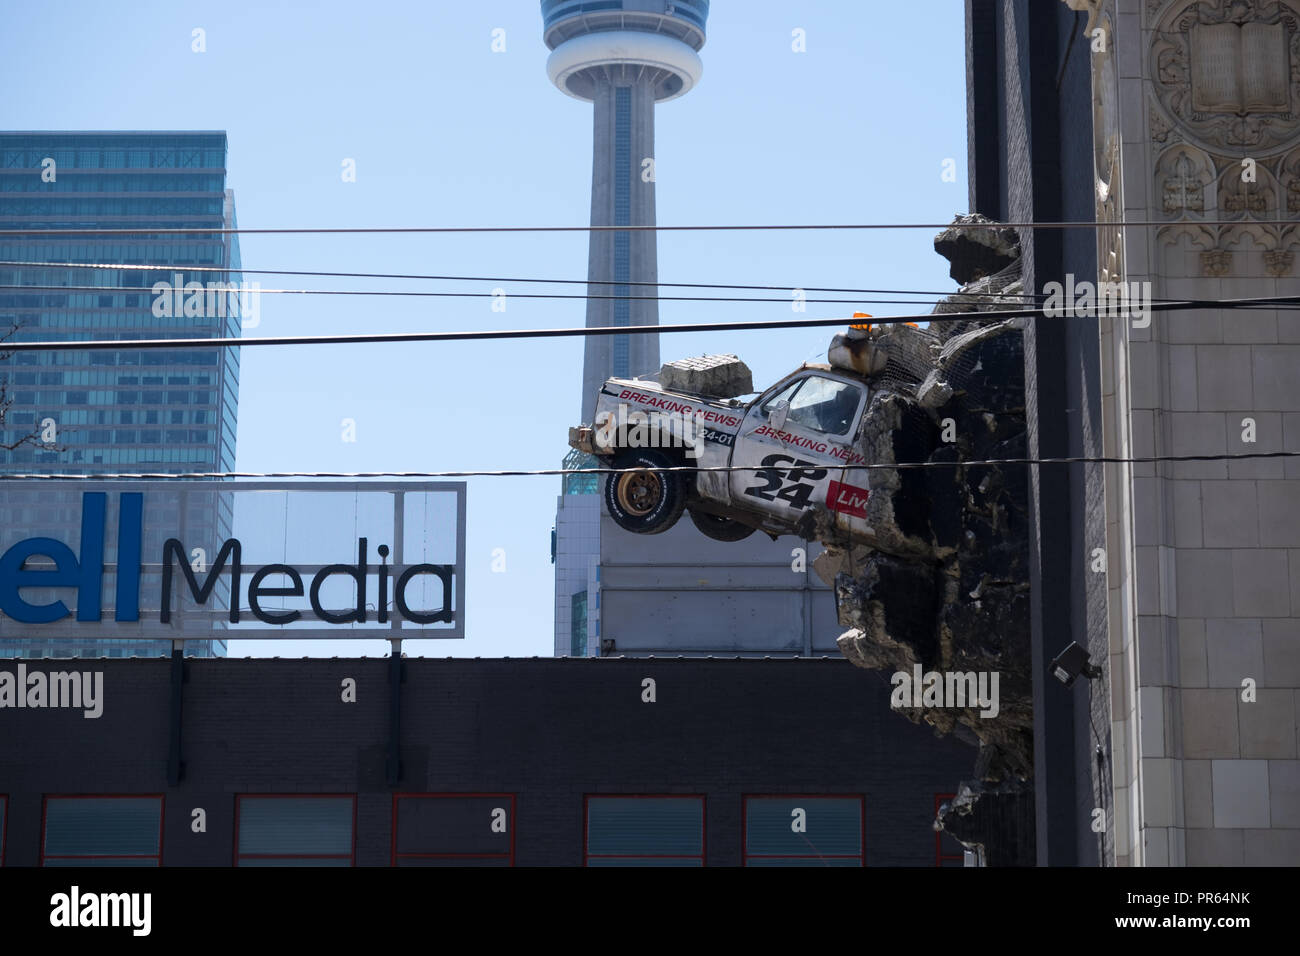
{"points": [[639, 491]]}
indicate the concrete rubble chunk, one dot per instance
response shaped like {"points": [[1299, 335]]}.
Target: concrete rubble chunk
{"points": [[933, 392], [976, 253], [832, 562], [941, 586], [718, 376]]}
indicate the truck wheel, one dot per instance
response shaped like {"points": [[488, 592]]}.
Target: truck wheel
{"points": [[719, 528], [640, 496]]}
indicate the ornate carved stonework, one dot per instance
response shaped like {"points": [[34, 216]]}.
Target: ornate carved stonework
{"points": [[1279, 262], [1248, 235], [1184, 190], [1183, 176], [1216, 263], [1193, 184], [1160, 127], [1238, 197], [1228, 71], [1245, 201]]}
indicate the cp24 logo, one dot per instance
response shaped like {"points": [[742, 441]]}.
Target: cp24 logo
{"points": [[792, 485]]}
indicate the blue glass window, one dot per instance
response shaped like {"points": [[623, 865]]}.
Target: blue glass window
{"points": [[803, 831], [295, 830], [645, 831], [102, 831], [454, 829]]}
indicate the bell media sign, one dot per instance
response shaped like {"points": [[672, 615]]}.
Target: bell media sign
{"points": [[45, 580]]}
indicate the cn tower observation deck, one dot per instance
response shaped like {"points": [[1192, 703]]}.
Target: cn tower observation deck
{"points": [[623, 57], [591, 38]]}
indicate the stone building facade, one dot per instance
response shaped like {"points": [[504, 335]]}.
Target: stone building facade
{"points": [[1182, 579], [1197, 126]]}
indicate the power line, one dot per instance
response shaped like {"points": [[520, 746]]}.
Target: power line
{"points": [[479, 278], [689, 469], [747, 325], [476, 295], [926, 294], [789, 227], [929, 297]]}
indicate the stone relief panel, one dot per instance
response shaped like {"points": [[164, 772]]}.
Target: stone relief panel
{"points": [[1192, 184], [1163, 129], [1185, 181], [1246, 236], [1281, 261], [1228, 71], [1239, 198]]}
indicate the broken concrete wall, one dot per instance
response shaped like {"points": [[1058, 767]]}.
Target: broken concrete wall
{"points": [[942, 585]]}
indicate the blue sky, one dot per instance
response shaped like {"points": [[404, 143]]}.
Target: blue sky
{"points": [[445, 132]]}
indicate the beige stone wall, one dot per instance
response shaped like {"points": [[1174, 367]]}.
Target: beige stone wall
{"points": [[1203, 558]]}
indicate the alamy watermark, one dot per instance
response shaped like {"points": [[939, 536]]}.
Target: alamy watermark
{"points": [[1090, 299], [641, 429], [77, 909], [946, 689], [82, 690], [210, 300]]}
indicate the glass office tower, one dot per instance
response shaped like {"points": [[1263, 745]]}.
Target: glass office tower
{"points": [[118, 411]]}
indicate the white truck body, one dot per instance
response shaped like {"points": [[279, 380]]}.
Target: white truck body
{"points": [[789, 446]]}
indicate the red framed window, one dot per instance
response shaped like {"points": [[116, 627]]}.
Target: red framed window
{"points": [[643, 830], [804, 829], [101, 830], [944, 857], [453, 829], [298, 829]]}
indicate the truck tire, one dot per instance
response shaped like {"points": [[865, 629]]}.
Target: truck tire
{"points": [[640, 496], [719, 528]]}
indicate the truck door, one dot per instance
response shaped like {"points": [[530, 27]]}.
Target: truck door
{"points": [[802, 432], [847, 497]]}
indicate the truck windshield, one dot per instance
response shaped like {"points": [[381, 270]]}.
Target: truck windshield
{"points": [[822, 404]]}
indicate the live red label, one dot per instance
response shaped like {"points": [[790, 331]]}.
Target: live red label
{"points": [[848, 499]]}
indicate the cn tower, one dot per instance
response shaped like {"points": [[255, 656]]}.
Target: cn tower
{"points": [[623, 56]]}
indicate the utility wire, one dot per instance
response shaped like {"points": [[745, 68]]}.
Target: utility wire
{"points": [[747, 325], [473, 295], [932, 297], [688, 469], [927, 294], [442, 278], [397, 230]]}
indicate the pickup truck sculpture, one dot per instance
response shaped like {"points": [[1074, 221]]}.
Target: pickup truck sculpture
{"points": [[789, 446]]}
